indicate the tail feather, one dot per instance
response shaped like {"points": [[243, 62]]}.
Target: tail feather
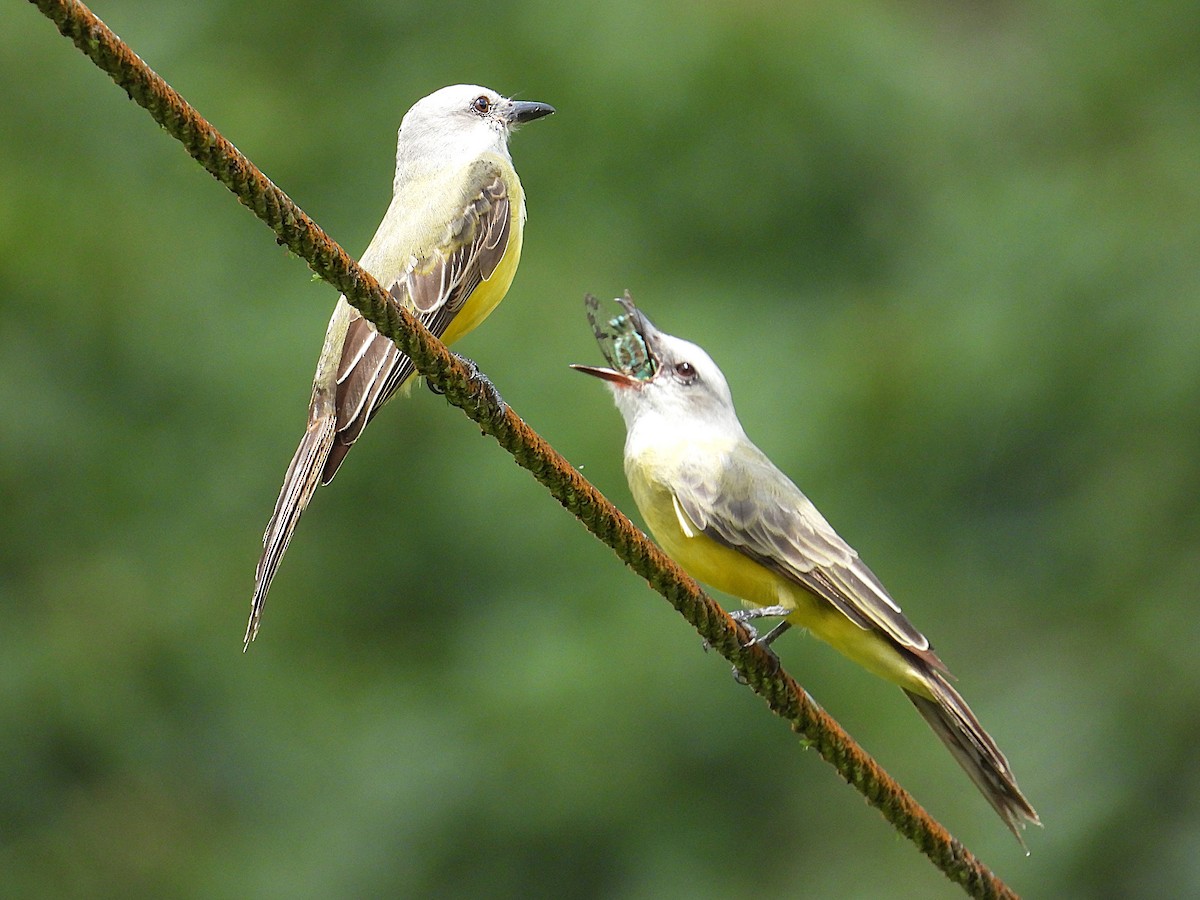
{"points": [[299, 485], [952, 720]]}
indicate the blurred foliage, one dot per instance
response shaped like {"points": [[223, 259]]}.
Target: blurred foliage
{"points": [[949, 258]]}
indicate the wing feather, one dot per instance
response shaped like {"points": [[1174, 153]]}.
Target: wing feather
{"points": [[755, 509], [434, 287]]}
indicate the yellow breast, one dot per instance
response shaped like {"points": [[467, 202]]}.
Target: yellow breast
{"points": [[487, 296]]}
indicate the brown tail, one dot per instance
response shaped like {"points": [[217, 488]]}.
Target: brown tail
{"points": [[300, 483], [952, 720]]}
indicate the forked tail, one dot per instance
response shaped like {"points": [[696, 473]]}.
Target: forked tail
{"points": [[300, 483], [952, 720]]}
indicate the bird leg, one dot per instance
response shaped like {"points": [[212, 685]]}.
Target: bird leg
{"points": [[467, 363], [743, 617], [492, 401]]}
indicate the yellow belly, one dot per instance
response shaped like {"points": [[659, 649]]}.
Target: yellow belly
{"points": [[487, 296]]}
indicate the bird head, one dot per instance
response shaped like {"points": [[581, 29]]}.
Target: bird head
{"points": [[654, 374], [463, 118]]}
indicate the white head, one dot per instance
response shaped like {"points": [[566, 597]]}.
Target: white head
{"points": [[463, 120], [664, 381]]}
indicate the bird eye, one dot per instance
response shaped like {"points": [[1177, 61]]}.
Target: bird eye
{"points": [[685, 370], [481, 104]]}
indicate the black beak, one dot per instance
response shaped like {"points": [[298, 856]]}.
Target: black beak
{"points": [[520, 111]]}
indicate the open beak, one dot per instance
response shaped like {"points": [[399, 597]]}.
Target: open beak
{"points": [[626, 341], [611, 375], [641, 324]]}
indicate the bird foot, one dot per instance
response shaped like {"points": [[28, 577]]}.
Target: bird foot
{"points": [[492, 400], [744, 616]]}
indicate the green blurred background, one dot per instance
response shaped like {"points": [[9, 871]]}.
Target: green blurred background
{"points": [[949, 259]]}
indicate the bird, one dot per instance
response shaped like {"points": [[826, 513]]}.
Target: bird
{"points": [[733, 520], [446, 250]]}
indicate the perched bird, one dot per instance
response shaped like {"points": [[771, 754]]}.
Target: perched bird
{"points": [[447, 250], [719, 507]]}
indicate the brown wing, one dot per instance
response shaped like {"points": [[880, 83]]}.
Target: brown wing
{"points": [[782, 530], [433, 288]]}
